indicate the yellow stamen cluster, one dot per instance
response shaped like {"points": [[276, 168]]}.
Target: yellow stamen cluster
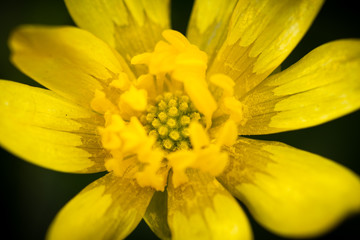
{"points": [[160, 121], [186, 65], [206, 155], [132, 152], [168, 120]]}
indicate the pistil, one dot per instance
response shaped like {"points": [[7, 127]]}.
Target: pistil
{"points": [[168, 120]]}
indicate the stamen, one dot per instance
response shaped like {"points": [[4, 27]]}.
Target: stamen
{"points": [[205, 155], [161, 120], [101, 103], [184, 63], [135, 98]]}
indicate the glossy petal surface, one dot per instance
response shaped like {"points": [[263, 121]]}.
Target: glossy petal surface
{"points": [[47, 130], [109, 208], [209, 32], [203, 209], [322, 86], [290, 192], [260, 36], [70, 61], [130, 26]]}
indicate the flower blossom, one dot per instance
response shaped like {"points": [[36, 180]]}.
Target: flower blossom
{"points": [[165, 116]]}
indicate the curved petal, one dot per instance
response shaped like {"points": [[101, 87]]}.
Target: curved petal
{"points": [[209, 32], [203, 209], [290, 192], [70, 61], [47, 130], [322, 86], [130, 26], [156, 215], [109, 208], [261, 34]]}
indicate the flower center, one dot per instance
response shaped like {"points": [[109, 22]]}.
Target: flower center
{"points": [[160, 120], [168, 121]]}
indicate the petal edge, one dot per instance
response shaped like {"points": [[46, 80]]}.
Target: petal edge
{"points": [[291, 192]]}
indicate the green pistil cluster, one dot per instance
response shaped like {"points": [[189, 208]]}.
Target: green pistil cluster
{"points": [[168, 120]]}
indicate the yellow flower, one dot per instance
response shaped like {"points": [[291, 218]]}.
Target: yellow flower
{"points": [[165, 115]]}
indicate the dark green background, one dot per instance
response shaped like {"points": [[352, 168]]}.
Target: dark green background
{"points": [[31, 196]]}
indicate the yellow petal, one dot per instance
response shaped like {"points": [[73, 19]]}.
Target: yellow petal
{"points": [[208, 24], [47, 130], [130, 26], [70, 61], [322, 86], [261, 34], [203, 209], [290, 192], [156, 215], [109, 208]]}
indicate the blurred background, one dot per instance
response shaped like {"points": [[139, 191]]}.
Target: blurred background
{"points": [[31, 196]]}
